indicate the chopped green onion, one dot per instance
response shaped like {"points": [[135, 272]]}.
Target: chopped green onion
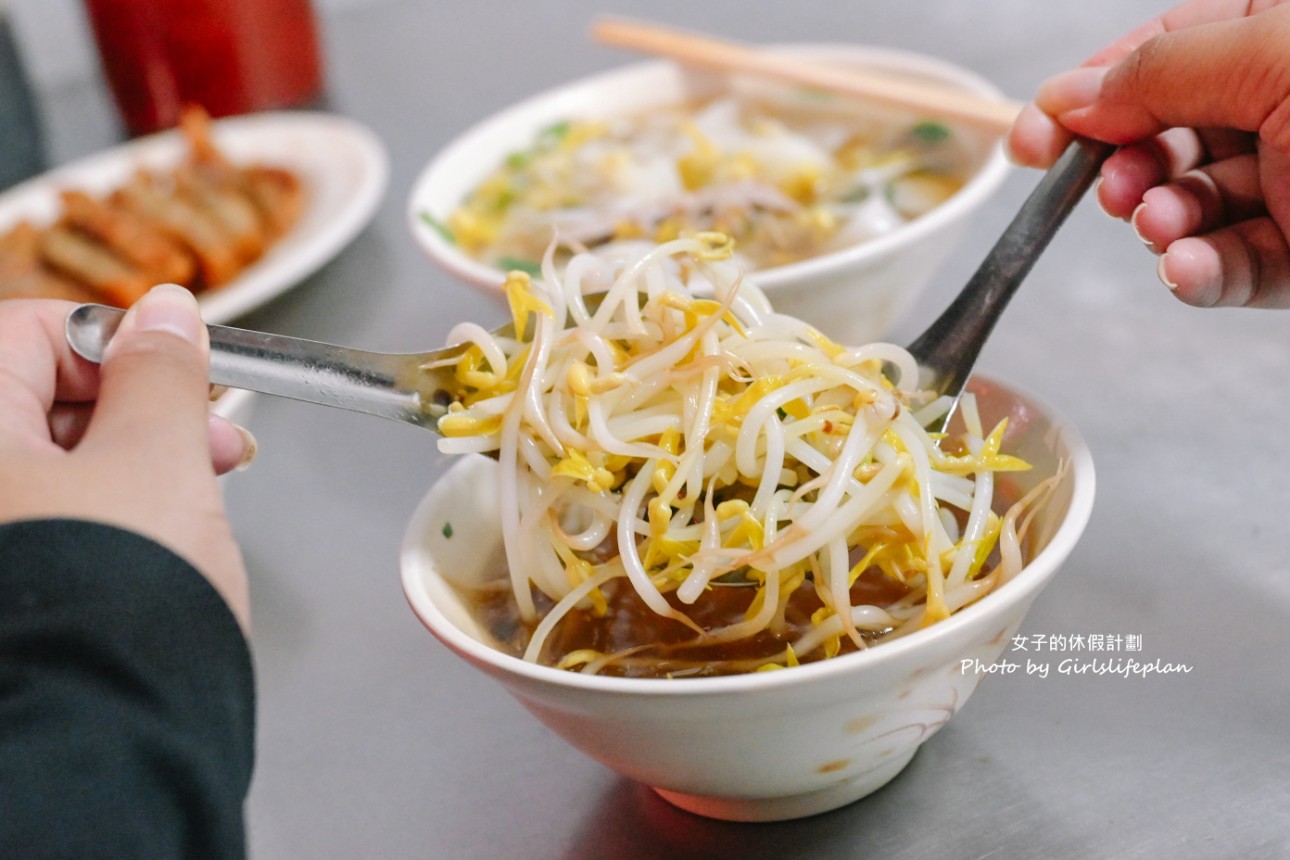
{"points": [[515, 263], [439, 227], [504, 200], [930, 132], [447, 530], [554, 133], [859, 194]]}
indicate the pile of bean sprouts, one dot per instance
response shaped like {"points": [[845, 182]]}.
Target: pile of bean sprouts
{"points": [[704, 438]]}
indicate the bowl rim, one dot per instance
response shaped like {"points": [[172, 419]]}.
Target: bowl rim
{"points": [[1026, 583], [993, 170]]}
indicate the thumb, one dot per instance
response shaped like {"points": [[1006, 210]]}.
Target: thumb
{"points": [[1231, 74], [153, 403]]}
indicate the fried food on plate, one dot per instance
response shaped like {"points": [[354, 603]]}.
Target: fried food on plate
{"points": [[199, 224], [22, 276], [135, 240]]}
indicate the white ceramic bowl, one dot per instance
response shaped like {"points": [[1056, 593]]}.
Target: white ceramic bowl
{"points": [[854, 295], [769, 745]]}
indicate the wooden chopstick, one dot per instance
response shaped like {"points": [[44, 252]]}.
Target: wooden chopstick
{"points": [[992, 115]]}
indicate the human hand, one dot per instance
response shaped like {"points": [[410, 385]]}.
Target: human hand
{"points": [[131, 443], [1199, 101]]}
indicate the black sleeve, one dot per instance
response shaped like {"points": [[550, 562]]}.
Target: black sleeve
{"points": [[126, 700]]}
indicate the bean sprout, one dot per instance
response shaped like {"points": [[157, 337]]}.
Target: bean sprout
{"points": [[680, 447]]}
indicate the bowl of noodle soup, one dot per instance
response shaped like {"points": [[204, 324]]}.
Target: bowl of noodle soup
{"points": [[844, 210], [768, 711]]}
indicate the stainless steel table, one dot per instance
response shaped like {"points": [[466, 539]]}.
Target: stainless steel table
{"points": [[375, 742]]}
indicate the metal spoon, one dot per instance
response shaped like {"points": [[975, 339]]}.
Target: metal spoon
{"points": [[410, 388], [399, 387], [948, 349]]}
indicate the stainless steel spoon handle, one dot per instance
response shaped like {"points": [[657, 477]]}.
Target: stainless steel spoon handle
{"points": [[949, 347], [374, 383]]}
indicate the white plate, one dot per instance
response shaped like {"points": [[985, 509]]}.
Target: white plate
{"points": [[342, 164]]}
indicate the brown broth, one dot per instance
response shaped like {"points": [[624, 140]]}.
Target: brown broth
{"points": [[668, 647]]}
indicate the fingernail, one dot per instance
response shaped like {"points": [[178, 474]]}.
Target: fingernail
{"points": [[1071, 90], [1160, 273], [249, 450], [1133, 221], [1097, 195], [1009, 154], [169, 308]]}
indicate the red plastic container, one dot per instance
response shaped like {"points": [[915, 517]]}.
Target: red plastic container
{"points": [[229, 56]]}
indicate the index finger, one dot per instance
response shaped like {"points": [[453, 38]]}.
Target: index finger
{"points": [[38, 368], [1038, 138], [1190, 14]]}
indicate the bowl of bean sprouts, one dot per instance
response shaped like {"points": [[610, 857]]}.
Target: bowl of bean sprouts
{"points": [[845, 210], [718, 551]]}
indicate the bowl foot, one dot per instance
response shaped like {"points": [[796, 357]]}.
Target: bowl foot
{"points": [[793, 806]]}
